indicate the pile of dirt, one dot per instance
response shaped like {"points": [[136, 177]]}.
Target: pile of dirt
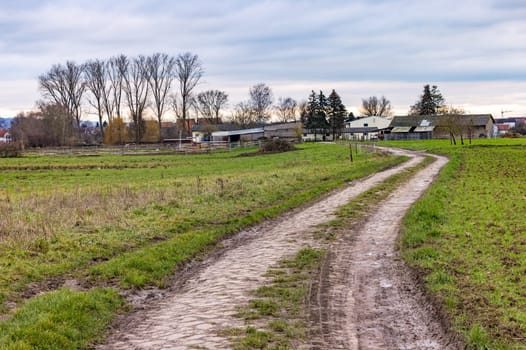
{"points": [[272, 146], [276, 145]]}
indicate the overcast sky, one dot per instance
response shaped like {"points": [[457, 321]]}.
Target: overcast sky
{"points": [[475, 51]]}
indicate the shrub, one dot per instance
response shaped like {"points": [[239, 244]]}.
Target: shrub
{"points": [[10, 150], [276, 145]]}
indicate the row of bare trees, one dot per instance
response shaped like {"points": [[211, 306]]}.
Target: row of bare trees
{"points": [[125, 85], [259, 107]]}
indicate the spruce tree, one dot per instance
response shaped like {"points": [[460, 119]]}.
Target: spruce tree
{"points": [[321, 113], [429, 103], [336, 113], [311, 113]]}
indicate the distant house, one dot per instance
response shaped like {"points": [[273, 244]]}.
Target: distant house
{"points": [[503, 125], [368, 128], [438, 127], [502, 129], [5, 136]]}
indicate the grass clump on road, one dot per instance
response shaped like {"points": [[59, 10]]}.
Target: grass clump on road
{"points": [[467, 235], [277, 318]]}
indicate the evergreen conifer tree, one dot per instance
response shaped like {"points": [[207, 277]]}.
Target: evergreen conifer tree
{"points": [[321, 114], [429, 103], [336, 113], [311, 113]]}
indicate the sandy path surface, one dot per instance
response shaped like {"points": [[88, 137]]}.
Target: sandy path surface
{"points": [[369, 300], [191, 316]]}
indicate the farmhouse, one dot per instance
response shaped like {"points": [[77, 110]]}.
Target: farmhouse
{"points": [[5, 136], [423, 127]]}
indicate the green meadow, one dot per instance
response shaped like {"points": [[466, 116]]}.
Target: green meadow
{"points": [[111, 223], [467, 236]]}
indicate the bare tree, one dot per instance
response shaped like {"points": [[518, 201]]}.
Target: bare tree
{"points": [[160, 78], [64, 86], [287, 109], [96, 77], [188, 71], [136, 92], [261, 100], [303, 109], [243, 114], [210, 103], [374, 106], [451, 118], [117, 68]]}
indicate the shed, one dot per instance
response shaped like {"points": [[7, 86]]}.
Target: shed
{"points": [[252, 134]]}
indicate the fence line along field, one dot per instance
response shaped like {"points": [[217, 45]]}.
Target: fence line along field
{"points": [[130, 221], [468, 237]]}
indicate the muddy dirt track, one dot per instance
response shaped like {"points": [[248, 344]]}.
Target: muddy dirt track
{"points": [[367, 300]]}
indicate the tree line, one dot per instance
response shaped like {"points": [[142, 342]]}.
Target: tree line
{"points": [[114, 88], [121, 89]]}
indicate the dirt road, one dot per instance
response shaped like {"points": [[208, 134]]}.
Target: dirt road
{"points": [[369, 300], [191, 316]]}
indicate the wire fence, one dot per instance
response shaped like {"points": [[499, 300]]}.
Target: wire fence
{"points": [[144, 149]]}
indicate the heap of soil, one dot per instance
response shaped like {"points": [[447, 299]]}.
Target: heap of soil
{"points": [[272, 146]]}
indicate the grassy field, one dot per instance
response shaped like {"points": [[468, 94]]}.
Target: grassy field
{"points": [[467, 236], [130, 222]]}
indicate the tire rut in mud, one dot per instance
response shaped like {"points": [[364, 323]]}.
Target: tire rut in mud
{"points": [[369, 299]]}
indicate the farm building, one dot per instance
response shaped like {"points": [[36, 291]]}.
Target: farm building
{"points": [[368, 128], [439, 126], [289, 131], [203, 132], [317, 135], [252, 134], [362, 134]]}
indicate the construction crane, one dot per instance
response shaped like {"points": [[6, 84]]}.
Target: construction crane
{"points": [[502, 113]]}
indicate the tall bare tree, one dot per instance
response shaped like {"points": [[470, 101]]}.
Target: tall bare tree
{"points": [[287, 109], [210, 103], [160, 68], [188, 71], [96, 77], [374, 106], [64, 85], [136, 91], [261, 101], [117, 69]]}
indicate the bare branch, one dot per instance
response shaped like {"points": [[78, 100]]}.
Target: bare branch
{"points": [[210, 103]]}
